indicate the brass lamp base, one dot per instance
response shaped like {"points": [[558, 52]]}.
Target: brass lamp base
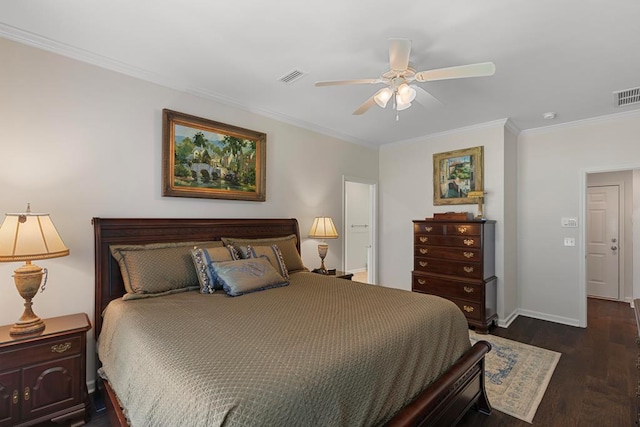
{"points": [[323, 248], [28, 278]]}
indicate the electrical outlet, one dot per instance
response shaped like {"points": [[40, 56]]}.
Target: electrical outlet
{"points": [[569, 241]]}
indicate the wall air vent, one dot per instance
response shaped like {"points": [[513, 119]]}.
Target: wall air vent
{"points": [[622, 98], [292, 77]]}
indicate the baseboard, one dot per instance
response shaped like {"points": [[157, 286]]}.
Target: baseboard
{"points": [[549, 317], [91, 386], [504, 323]]}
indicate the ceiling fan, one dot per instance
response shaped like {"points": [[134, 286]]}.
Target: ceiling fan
{"points": [[401, 78]]}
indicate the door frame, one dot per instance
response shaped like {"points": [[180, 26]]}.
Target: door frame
{"points": [[621, 236], [582, 247], [373, 229]]}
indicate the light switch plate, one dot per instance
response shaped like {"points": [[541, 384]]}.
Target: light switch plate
{"points": [[569, 241], [569, 222]]}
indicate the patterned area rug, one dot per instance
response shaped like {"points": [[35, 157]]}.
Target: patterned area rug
{"points": [[516, 375]]}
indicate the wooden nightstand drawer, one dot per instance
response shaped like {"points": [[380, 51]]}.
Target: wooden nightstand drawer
{"points": [[41, 352]]}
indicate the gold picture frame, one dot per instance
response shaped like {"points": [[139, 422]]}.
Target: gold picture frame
{"points": [[455, 174], [207, 159]]}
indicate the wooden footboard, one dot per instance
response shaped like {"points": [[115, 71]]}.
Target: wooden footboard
{"points": [[442, 404]]}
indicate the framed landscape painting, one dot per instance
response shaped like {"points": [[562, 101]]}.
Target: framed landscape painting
{"points": [[203, 158], [455, 174]]}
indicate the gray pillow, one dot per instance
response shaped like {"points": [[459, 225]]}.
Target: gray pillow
{"points": [[247, 275], [157, 268], [287, 246]]}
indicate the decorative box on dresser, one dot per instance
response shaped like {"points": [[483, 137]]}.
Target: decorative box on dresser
{"points": [[456, 260], [43, 377]]}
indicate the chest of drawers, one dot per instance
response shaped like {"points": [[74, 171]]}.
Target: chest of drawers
{"points": [[455, 260]]}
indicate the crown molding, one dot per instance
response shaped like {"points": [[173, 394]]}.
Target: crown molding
{"points": [[426, 138], [582, 122], [82, 55]]}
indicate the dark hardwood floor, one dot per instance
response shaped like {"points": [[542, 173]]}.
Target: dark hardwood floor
{"points": [[595, 381]]}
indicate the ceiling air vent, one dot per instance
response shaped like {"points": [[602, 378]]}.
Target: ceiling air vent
{"points": [[292, 77], [622, 98]]}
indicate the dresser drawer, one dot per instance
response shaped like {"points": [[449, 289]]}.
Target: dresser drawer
{"points": [[472, 310], [448, 288], [42, 351], [463, 229], [471, 270], [455, 241], [429, 228], [448, 253]]}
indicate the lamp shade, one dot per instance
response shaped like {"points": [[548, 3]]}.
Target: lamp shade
{"points": [[29, 236], [323, 228]]}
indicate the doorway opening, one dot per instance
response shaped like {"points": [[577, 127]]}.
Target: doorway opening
{"points": [[610, 243], [360, 229]]}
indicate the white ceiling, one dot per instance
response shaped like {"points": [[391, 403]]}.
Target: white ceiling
{"points": [[564, 56]]}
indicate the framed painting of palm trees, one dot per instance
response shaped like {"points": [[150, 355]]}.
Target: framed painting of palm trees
{"points": [[455, 174], [204, 158]]}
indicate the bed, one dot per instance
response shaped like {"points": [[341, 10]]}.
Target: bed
{"points": [[315, 386]]}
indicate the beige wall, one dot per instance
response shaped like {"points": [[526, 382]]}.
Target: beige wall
{"points": [[406, 194], [79, 141], [552, 166]]}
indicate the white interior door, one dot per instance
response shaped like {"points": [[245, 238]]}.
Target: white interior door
{"points": [[603, 267]]}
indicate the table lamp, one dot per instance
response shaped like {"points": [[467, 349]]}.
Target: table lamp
{"points": [[479, 195], [26, 237], [323, 228]]}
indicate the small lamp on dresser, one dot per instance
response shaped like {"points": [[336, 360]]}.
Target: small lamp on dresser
{"points": [[323, 228], [26, 237]]}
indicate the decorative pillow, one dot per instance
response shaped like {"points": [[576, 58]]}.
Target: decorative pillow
{"points": [[157, 268], [247, 275], [272, 253], [287, 246], [203, 258]]}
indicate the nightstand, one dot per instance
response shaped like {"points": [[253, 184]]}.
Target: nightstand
{"points": [[43, 377], [338, 274]]}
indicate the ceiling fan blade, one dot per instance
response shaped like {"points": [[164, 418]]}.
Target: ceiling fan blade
{"points": [[459, 72], [425, 98], [347, 82], [365, 106], [399, 51]]}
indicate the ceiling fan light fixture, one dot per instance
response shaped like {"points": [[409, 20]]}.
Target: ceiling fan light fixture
{"points": [[401, 105], [406, 94], [382, 97]]}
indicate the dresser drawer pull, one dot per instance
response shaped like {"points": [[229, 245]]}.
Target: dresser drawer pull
{"points": [[424, 251], [422, 281], [468, 254], [15, 397], [468, 308], [468, 242], [27, 393], [428, 229], [462, 230], [424, 239], [60, 348], [423, 263], [467, 269], [468, 289]]}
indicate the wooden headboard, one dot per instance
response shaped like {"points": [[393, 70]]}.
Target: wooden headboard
{"points": [[135, 231]]}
